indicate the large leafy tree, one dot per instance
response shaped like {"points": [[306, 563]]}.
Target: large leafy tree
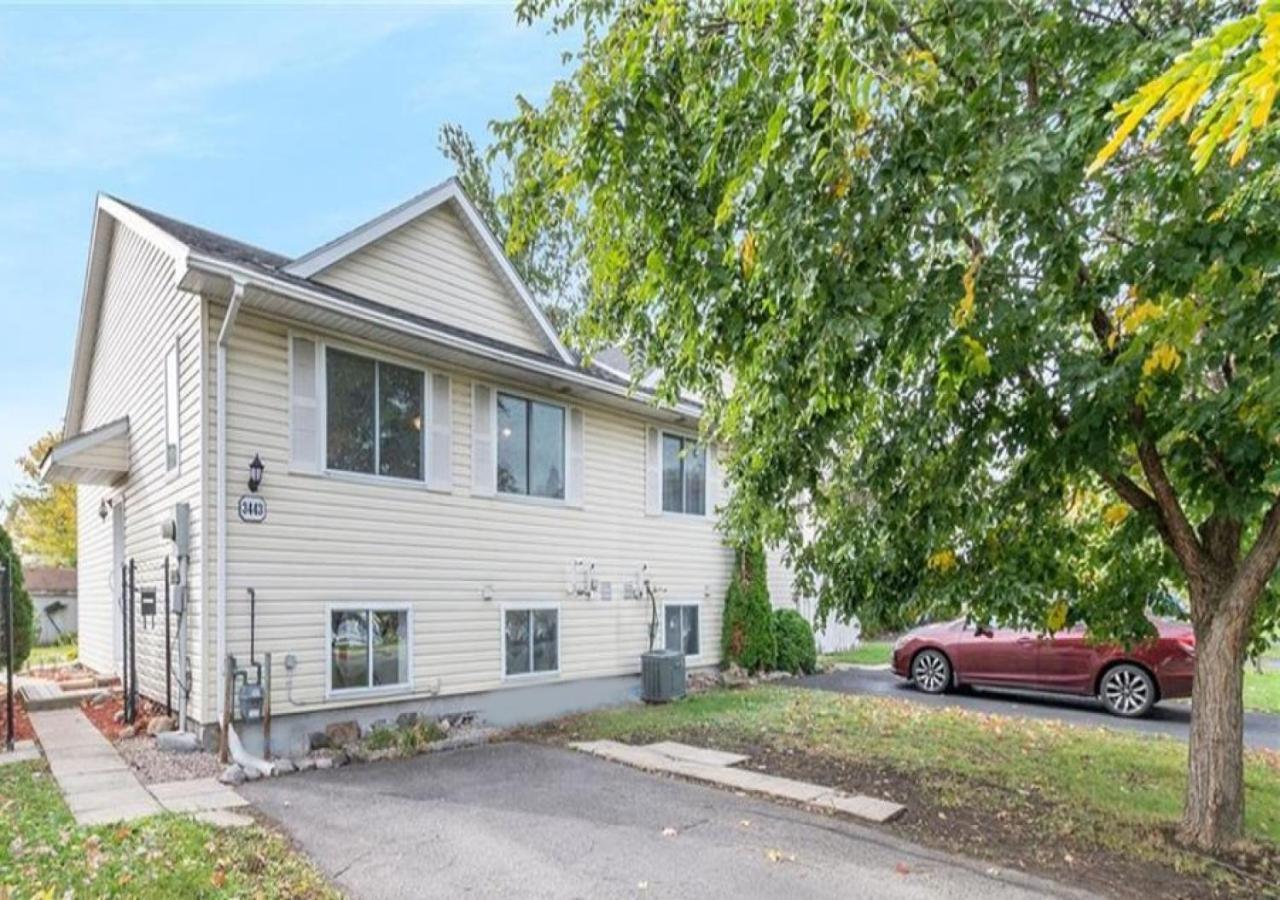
{"points": [[862, 231], [42, 517]]}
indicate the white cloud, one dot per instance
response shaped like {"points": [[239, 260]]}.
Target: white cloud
{"points": [[81, 96]]}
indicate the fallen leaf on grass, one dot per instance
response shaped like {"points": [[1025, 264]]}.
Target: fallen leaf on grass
{"points": [[218, 878]]}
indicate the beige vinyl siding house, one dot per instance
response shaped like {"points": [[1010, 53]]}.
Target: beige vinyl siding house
{"points": [[459, 514]]}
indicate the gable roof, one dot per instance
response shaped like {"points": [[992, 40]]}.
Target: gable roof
{"points": [[195, 249], [447, 192]]}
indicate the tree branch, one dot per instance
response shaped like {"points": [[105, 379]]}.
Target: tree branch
{"points": [[1259, 563], [1182, 536]]}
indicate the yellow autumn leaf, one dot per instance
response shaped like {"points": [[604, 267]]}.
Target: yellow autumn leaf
{"points": [[1163, 358], [1057, 618], [1135, 317], [747, 254], [963, 312], [942, 560], [1115, 514]]}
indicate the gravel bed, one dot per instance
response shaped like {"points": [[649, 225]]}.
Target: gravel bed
{"points": [[151, 764]]}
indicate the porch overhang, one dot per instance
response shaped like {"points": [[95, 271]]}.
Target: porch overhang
{"points": [[99, 456]]}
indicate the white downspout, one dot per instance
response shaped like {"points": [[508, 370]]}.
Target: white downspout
{"points": [[224, 335]]}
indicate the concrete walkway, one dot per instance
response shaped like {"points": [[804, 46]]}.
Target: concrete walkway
{"points": [[716, 767], [99, 786], [96, 783]]}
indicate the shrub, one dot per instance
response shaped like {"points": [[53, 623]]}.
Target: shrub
{"points": [[748, 638], [797, 652], [22, 610]]}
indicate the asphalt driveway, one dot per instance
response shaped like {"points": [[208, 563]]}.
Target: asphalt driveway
{"points": [[521, 820], [1174, 719]]}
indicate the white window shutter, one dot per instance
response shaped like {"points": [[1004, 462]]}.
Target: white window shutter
{"points": [[304, 407], [573, 487], [713, 482], [484, 465], [439, 433], [653, 472]]}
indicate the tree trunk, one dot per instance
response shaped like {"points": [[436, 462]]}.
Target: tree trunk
{"points": [[1214, 814]]}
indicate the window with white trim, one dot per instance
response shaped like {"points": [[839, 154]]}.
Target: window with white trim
{"points": [[368, 648], [172, 414], [531, 447], [530, 641], [684, 475], [373, 416], [681, 628]]}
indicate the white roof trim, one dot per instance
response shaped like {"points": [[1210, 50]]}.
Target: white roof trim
{"points": [[107, 213], [310, 264], [318, 298], [100, 456]]}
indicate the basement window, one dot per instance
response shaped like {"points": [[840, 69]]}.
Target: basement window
{"points": [[530, 641], [369, 649], [681, 628]]}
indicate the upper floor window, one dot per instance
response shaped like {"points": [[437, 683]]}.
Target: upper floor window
{"points": [[684, 475], [531, 459], [373, 416], [172, 419]]}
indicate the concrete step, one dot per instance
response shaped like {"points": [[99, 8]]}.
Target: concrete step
{"points": [[47, 696]]}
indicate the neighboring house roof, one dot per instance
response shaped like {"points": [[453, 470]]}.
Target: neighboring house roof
{"points": [[49, 580]]}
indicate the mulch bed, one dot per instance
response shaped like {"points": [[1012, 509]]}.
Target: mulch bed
{"points": [[21, 724], [103, 715], [1008, 831]]}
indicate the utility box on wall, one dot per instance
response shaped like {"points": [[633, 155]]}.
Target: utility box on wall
{"points": [[662, 676]]}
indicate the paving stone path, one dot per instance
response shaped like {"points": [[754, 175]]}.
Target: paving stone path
{"points": [[99, 786], [717, 767]]}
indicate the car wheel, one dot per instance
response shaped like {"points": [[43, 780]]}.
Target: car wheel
{"points": [[1127, 691], [931, 671]]}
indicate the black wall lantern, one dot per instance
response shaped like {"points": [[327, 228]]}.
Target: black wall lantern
{"points": [[255, 473]]}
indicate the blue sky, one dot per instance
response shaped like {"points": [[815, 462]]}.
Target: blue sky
{"points": [[282, 127]]}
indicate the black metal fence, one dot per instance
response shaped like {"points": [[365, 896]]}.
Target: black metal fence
{"points": [[145, 597]]}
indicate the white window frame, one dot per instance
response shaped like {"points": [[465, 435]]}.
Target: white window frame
{"points": [[696, 604], [531, 675], [372, 690], [322, 402], [528, 397], [663, 434], [173, 411]]}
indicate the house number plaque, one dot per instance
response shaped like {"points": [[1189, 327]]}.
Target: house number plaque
{"points": [[252, 508]]}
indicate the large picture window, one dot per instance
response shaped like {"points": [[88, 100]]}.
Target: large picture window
{"points": [[530, 641], [368, 648], [373, 416], [681, 628], [531, 458], [684, 475]]}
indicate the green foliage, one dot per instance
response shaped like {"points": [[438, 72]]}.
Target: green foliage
{"points": [[23, 611], [381, 739], [42, 517], [797, 651], [748, 631], [931, 347]]}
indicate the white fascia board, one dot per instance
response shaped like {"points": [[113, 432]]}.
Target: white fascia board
{"points": [[318, 260], [224, 269], [107, 213]]}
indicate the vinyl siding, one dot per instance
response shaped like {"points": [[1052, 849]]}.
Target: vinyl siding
{"points": [[143, 313], [433, 267], [329, 539]]}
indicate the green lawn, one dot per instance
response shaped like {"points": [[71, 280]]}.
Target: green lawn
{"points": [[868, 653], [43, 853], [52, 654], [1029, 789], [1262, 691]]}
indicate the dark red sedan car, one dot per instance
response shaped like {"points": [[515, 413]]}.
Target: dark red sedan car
{"points": [[1128, 682]]}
